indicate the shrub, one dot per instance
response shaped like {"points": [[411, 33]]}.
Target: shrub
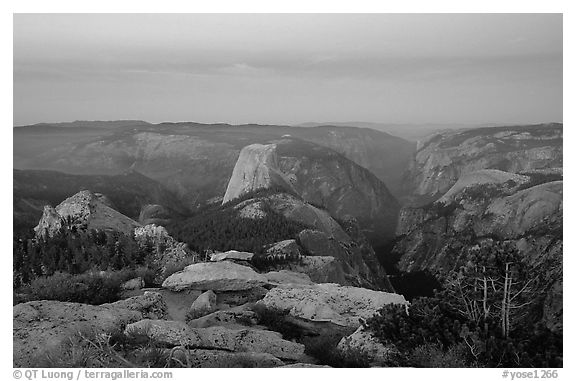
{"points": [[324, 349], [276, 320], [473, 320], [91, 288], [434, 356], [105, 350]]}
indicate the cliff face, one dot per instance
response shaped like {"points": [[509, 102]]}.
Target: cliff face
{"points": [[256, 168], [508, 209], [321, 177], [84, 210], [441, 159], [384, 155]]}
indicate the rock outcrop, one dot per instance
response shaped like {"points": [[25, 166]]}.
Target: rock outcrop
{"points": [[235, 318], [84, 210], [329, 303], [203, 305], [363, 343], [286, 277], [204, 358], [443, 158], [167, 251], [285, 249], [232, 255], [356, 257], [215, 276], [41, 328], [130, 193], [319, 269], [321, 177], [174, 333]]}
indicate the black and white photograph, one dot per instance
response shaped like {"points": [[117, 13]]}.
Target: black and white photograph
{"points": [[287, 190]]}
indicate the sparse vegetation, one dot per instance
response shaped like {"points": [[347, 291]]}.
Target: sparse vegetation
{"points": [[90, 287], [487, 308], [106, 350], [540, 178], [276, 320], [483, 193]]}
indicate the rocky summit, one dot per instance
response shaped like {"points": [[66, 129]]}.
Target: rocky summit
{"points": [[84, 210], [321, 177]]}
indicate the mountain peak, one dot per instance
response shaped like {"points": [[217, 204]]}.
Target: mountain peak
{"points": [[321, 176], [84, 209]]}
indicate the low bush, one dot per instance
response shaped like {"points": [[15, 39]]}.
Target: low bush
{"points": [[324, 349], [104, 350], [91, 287], [431, 355], [276, 320]]}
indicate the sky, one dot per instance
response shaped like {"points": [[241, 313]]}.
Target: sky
{"points": [[288, 68]]}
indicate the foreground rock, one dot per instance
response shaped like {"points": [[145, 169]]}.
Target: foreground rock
{"points": [[41, 328], [363, 343], [286, 277], [216, 276], [174, 333], [235, 317], [304, 365], [232, 255], [339, 305], [205, 358], [203, 305], [319, 269]]}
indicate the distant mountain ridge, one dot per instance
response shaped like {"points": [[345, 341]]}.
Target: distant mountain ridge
{"points": [[193, 160], [441, 159], [91, 123]]}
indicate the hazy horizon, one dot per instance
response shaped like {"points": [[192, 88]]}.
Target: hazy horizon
{"points": [[289, 69]]}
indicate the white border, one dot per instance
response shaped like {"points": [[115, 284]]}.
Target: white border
{"points": [[296, 6]]}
